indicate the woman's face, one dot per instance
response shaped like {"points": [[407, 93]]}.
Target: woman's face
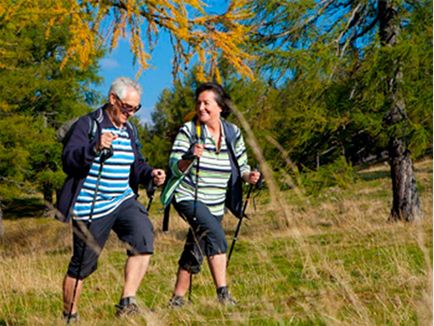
{"points": [[207, 108]]}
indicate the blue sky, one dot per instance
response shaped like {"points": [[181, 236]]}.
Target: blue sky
{"points": [[119, 62]]}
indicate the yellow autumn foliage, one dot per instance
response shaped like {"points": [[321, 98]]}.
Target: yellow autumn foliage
{"points": [[194, 33]]}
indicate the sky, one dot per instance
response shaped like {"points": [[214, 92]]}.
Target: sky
{"points": [[119, 62]]}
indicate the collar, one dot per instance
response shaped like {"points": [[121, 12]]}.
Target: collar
{"points": [[207, 133]]}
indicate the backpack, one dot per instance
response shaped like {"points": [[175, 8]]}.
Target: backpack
{"points": [[63, 134], [234, 191]]}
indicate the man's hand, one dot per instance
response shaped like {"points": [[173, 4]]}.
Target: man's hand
{"points": [[106, 141], [159, 176]]}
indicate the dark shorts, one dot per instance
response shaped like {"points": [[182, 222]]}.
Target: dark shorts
{"points": [[131, 224], [205, 237]]}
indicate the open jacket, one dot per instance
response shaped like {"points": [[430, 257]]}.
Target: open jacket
{"points": [[234, 192], [79, 153]]}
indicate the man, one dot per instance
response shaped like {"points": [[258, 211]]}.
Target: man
{"points": [[100, 194]]}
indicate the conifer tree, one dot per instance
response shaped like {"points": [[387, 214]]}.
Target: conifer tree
{"points": [[345, 59], [194, 33], [37, 96]]}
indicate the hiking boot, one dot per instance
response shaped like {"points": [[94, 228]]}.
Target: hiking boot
{"points": [[72, 319], [176, 301], [127, 307], [224, 297]]}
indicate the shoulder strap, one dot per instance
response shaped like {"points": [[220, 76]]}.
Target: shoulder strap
{"points": [[95, 119], [234, 193], [230, 135], [197, 130], [135, 133]]}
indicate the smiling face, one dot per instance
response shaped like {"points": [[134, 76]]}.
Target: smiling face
{"points": [[207, 108], [122, 109]]}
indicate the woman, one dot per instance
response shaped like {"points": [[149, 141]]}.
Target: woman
{"points": [[202, 155]]}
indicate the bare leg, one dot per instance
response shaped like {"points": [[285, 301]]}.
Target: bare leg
{"points": [[182, 282], [135, 269], [217, 265], [68, 292]]}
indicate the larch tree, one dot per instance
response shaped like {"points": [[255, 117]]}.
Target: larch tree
{"points": [[93, 26], [36, 97], [406, 204], [316, 43], [194, 33]]}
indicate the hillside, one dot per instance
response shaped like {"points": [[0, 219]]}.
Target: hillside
{"points": [[332, 260]]}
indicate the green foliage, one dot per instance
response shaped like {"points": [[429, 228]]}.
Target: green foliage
{"points": [[37, 97], [339, 173], [331, 77], [170, 111]]}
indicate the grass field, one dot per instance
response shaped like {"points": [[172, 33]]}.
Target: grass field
{"points": [[332, 260]]}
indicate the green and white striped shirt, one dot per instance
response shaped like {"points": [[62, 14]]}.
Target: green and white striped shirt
{"points": [[214, 167]]}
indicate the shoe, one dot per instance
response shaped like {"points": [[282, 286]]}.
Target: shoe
{"points": [[176, 301], [127, 307], [72, 319], [224, 297]]}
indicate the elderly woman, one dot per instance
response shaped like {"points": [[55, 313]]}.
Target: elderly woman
{"points": [[209, 153]]}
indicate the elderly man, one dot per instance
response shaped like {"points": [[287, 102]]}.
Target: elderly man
{"points": [[99, 194]]}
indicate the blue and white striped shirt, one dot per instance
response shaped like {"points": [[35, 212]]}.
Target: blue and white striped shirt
{"points": [[114, 186], [214, 167]]}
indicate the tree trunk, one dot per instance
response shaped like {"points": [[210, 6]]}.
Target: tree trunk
{"points": [[406, 204]]}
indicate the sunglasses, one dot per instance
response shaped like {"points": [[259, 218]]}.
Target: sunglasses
{"points": [[126, 108]]}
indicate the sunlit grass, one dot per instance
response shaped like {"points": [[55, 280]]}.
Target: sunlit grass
{"points": [[338, 263]]}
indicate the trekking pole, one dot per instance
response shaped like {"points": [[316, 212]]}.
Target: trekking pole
{"points": [[105, 154], [150, 191], [190, 289], [198, 134], [243, 214]]}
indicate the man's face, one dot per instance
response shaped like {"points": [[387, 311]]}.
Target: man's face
{"points": [[126, 107]]}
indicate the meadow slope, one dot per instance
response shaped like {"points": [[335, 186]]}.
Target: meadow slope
{"points": [[331, 260]]}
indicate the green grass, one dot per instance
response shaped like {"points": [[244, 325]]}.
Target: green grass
{"points": [[339, 262]]}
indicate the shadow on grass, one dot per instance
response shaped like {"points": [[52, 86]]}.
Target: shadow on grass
{"points": [[423, 170], [374, 175], [24, 207], [385, 174]]}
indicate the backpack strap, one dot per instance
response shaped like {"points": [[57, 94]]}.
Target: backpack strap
{"points": [[230, 134], [234, 193], [95, 120], [135, 132]]}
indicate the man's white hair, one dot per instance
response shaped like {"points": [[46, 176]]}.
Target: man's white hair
{"points": [[120, 86]]}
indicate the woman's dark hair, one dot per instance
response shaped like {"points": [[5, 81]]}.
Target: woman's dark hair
{"points": [[221, 97]]}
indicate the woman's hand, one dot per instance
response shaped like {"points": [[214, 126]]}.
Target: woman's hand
{"points": [[195, 151], [198, 150], [252, 177]]}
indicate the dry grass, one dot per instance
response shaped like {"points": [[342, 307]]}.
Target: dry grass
{"points": [[338, 262]]}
